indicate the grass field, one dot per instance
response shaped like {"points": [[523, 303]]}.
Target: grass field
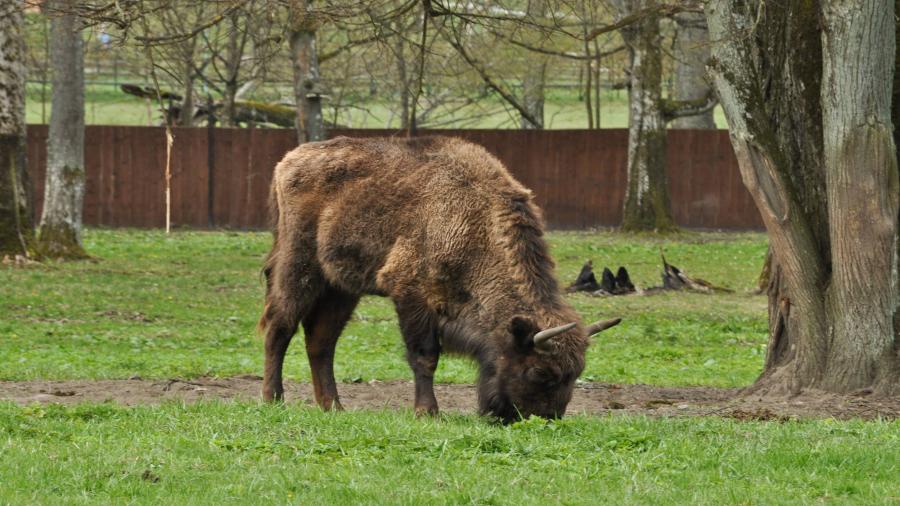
{"points": [[185, 305]]}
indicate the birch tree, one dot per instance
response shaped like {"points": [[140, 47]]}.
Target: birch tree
{"points": [[806, 87], [647, 203], [16, 236], [691, 55], [61, 219]]}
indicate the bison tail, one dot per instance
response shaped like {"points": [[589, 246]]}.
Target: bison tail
{"points": [[268, 272], [268, 269]]}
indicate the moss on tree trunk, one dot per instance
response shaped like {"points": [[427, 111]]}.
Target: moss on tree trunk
{"points": [[16, 234], [814, 147]]}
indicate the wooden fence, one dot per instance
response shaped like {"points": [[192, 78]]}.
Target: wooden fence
{"points": [[221, 176]]}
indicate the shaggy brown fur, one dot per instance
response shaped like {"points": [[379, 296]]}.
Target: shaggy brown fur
{"points": [[439, 226]]}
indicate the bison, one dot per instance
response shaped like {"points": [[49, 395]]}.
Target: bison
{"points": [[438, 225]]}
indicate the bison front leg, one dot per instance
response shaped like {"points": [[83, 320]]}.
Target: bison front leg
{"points": [[422, 352]]}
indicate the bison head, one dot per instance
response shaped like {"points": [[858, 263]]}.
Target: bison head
{"points": [[536, 374]]}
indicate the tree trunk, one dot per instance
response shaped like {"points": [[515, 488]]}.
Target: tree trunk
{"points": [[691, 55], [403, 79], [305, 62], [863, 192], [534, 78], [186, 116], [16, 234], [233, 55], [895, 118], [647, 203], [809, 117], [533, 94], [60, 232]]}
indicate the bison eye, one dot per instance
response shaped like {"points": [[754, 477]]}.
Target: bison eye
{"points": [[543, 376]]}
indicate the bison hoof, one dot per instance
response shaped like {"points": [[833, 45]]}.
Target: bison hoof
{"points": [[422, 411], [273, 397], [331, 405]]}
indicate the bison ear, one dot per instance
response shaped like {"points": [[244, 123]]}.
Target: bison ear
{"points": [[523, 330]]}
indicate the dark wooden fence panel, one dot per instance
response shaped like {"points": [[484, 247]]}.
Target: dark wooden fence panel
{"points": [[578, 176]]}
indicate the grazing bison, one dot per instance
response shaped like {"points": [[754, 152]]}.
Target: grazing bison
{"points": [[439, 226]]}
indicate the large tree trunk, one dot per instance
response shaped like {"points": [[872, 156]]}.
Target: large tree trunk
{"points": [[863, 192], [810, 124], [60, 232], [305, 62], [647, 203], [895, 118], [16, 234], [691, 55]]}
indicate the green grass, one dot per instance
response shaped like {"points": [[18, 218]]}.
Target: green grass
{"points": [[217, 453], [186, 305]]}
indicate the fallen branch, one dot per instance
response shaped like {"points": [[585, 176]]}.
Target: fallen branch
{"points": [[674, 278], [620, 284]]}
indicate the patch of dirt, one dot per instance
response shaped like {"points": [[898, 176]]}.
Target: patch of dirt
{"points": [[590, 398], [135, 316]]}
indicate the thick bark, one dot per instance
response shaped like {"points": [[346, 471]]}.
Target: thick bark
{"points": [[647, 203], [863, 192], [304, 59], [691, 55], [895, 118], [801, 124], [60, 231], [16, 235]]}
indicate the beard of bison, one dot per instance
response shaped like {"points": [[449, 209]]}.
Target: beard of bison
{"points": [[440, 227]]}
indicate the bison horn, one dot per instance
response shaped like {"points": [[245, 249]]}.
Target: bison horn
{"points": [[543, 337], [601, 326]]}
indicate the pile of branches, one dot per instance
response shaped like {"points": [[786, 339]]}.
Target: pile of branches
{"points": [[673, 278]]}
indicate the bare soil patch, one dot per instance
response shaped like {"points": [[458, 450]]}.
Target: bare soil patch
{"points": [[590, 398]]}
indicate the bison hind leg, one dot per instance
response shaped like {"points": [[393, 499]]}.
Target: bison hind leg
{"points": [[322, 327], [293, 284], [280, 322]]}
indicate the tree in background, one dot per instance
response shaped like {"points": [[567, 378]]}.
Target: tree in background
{"points": [[534, 78], [16, 235], [60, 230], [806, 88], [647, 203], [691, 55], [182, 56], [303, 24]]}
